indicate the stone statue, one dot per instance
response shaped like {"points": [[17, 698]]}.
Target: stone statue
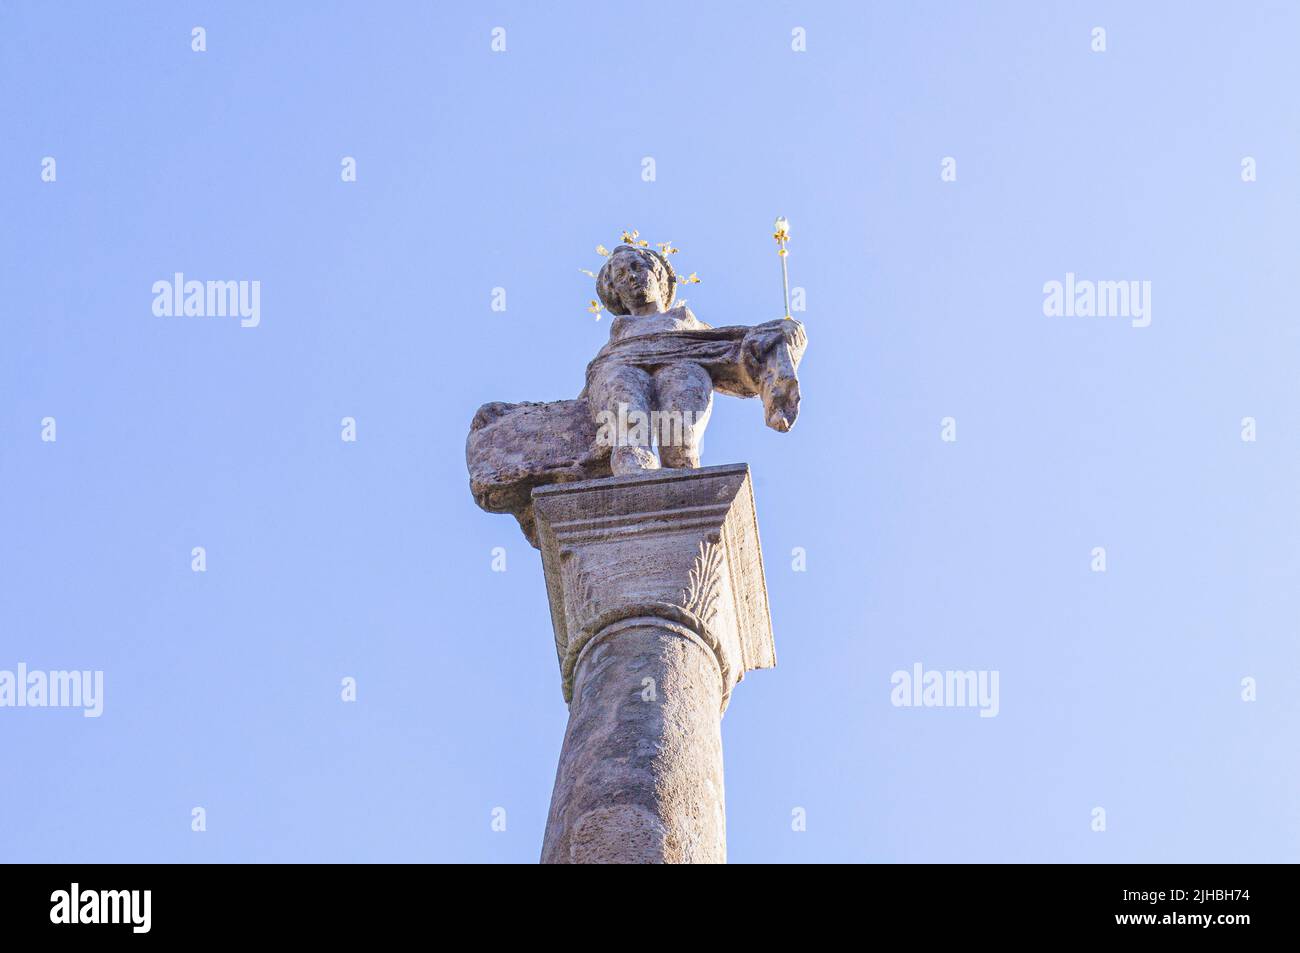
{"points": [[647, 398]]}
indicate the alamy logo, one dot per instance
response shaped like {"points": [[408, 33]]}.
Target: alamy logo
{"points": [[663, 428], [1102, 299], [208, 299], [945, 689], [24, 689], [102, 906]]}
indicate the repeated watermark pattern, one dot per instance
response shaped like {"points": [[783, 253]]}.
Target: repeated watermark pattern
{"points": [[646, 168]]}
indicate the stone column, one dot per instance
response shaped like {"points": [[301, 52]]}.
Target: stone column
{"points": [[659, 607]]}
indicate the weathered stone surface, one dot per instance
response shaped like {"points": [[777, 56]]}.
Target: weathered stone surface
{"points": [[513, 448], [681, 545], [640, 776], [659, 607]]}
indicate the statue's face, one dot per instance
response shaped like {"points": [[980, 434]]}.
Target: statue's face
{"points": [[635, 280]]}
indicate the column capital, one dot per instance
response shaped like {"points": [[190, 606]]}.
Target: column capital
{"points": [[677, 548]]}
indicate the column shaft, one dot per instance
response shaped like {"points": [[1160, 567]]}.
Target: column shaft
{"points": [[640, 773]]}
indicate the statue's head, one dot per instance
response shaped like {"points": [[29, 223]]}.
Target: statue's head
{"points": [[636, 279]]}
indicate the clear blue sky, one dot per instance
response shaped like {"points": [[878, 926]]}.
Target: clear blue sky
{"points": [[477, 170]]}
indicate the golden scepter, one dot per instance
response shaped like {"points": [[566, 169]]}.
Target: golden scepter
{"points": [[782, 235]]}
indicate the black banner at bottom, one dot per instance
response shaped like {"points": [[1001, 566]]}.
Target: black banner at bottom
{"points": [[179, 902]]}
